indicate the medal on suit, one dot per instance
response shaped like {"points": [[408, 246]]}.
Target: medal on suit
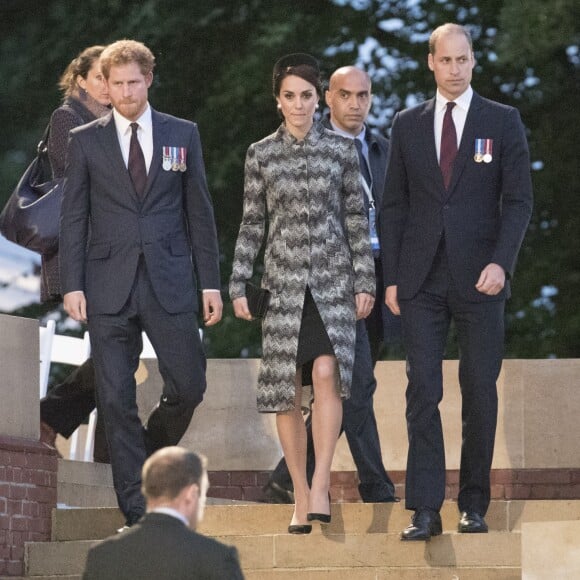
{"points": [[488, 148], [166, 158], [182, 154], [479, 149]]}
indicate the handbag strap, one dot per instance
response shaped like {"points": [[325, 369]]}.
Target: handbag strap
{"points": [[42, 147]]}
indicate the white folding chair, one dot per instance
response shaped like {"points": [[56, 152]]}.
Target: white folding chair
{"points": [[74, 351], [148, 350], [45, 337]]}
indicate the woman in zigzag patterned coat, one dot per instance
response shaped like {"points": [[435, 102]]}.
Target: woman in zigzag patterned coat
{"points": [[305, 182]]}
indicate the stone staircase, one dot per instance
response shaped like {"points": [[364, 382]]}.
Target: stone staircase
{"points": [[361, 543]]}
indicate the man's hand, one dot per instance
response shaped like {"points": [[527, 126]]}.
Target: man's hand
{"points": [[75, 305], [364, 304], [491, 280], [212, 307], [241, 309], [391, 300]]}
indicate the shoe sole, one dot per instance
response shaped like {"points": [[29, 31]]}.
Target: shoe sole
{"points": [[436, 533]]}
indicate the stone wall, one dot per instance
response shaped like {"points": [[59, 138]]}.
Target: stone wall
{"points": [[27, 498], [27, 468]]}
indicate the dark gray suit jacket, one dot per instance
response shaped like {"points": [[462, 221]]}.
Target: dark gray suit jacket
{"points": [[105, 228], [162, 547], [484, 214]]}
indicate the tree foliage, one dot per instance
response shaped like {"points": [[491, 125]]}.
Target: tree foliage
{"points": [[214, 62]]}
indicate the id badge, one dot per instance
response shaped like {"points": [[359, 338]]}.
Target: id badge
{"points": [[375, 247]]}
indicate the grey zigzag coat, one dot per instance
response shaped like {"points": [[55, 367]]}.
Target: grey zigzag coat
{"points": [[309, 192]]}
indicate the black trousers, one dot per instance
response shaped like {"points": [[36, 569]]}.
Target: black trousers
{"points": [[426, 320], [116, 345], [358, 421], [69, 403]]}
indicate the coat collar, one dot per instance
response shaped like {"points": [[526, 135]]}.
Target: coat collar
{"points": [[311, 138], [370, 136]]}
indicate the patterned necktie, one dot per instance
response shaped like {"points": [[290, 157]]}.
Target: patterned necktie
{"points": [[136, 164], [448, 145]]}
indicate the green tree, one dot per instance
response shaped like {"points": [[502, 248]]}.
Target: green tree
{"points": [[214, 61]]}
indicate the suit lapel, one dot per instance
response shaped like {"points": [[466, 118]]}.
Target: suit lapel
{"points": [[466, 147], [160, 138], [427, 123], [109, 141]]}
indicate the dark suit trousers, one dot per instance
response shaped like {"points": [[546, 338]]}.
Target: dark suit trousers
{"points": [[69, 403], [116, 345], [480, 330], [360, 427]]}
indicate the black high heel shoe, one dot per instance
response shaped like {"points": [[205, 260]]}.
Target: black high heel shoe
{"points": [[299, 529], [322, 518]]}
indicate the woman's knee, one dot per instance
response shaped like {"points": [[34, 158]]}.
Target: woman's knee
{"points": [[324, 370]]}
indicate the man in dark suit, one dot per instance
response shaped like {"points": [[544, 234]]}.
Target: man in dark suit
{"points": [[164, 543], [349, 100], [137, 238], [457, 202]]}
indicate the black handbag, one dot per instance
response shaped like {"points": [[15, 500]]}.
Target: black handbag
{"points": [[258, 300], [31, 216]]}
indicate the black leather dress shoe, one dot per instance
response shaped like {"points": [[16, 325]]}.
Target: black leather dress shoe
{"points": [[424, 524], [299, 528], [275, 493], [472, 523]]}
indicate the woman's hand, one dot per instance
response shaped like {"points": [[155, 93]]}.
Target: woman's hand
{"points": [[241, 309], [364, 304]]}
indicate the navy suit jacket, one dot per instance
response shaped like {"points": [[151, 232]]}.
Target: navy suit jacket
{"points": [[483, 215], [160, 546], [105, 228]]}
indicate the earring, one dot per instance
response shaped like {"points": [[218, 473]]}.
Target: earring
{"points": [[317, 105], [279, 106]]}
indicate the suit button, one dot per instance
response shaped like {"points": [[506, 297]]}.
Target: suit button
{"points": [[445, 207]]}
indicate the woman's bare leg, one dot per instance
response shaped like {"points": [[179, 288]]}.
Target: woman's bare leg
{"points": [[326, 422], [292, 435]]}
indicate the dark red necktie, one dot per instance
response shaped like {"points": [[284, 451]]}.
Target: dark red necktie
{"points": [[136, 164], [448, 145]]}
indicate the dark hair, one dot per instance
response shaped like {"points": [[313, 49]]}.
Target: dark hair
{"points": [[299, 64], [125, 52], [170, 470], [80, 66]]}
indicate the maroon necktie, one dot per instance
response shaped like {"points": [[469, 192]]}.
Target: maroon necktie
{"points": [[136, 165], [448, 145]]}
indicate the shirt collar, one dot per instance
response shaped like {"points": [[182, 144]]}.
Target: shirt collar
{"points": [[339, 131], [170, 512], [463, 101], [124, 125]]}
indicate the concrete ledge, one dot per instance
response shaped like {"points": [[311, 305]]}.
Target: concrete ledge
{"points": [[551, 550], [538, 425]]}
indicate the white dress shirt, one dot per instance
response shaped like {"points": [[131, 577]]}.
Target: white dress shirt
{"points": [[144, 134], [459, 114]]}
